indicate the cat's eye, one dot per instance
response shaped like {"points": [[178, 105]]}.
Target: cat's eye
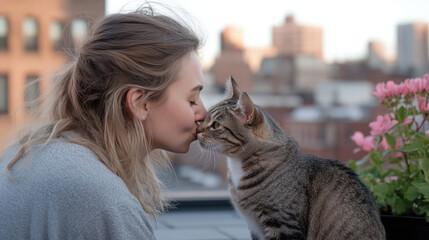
{"points": [[215, 125]]}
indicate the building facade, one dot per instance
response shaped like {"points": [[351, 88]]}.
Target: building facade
{"points": [[34, 38], [231, 60], [231, 39], [412, 49], [377, 58], [292, 39]]}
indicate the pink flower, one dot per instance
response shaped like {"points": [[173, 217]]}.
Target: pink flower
{"points": [[407, 121], [423, 106], [403, 87], [426, 80], [419, 84], [394, 178], [382, 125], [380, 91], [378, 180], [412, 86], [384, 144], [427, 133], [399, 144], [392, 89], [366, 143]]}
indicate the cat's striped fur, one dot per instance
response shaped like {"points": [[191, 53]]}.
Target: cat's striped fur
{"points": [[281, 192]]}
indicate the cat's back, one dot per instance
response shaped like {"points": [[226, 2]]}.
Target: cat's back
{"points": [[341, 207]]}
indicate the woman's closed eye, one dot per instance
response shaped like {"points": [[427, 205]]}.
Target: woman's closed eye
{"points": [[193, 103]]}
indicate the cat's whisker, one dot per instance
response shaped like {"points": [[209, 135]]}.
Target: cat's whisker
{"points": [[207, 161], [206, 153], [215, 161], [197, 155], [202, 153], [215, 157]]}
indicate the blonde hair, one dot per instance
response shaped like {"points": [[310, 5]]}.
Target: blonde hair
{"points": [[140, 49]]}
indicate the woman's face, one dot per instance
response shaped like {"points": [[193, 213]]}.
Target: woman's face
{"points": [[172, 122]]}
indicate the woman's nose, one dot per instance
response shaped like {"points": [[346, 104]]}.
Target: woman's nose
{"points": [[201, 113]]}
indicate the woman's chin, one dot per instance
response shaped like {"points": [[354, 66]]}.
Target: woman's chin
{"points": [[181, 149]]}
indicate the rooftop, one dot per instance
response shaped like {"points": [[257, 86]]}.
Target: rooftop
{"points": [[209, 224]]}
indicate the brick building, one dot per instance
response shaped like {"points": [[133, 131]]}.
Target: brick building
{"points": [[238, 60], [34, 36], [293, 39], [231, 60]]}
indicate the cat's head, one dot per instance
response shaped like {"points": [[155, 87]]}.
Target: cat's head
{"points": [[233, 125]]}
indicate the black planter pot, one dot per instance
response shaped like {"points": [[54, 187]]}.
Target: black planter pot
{"points": [[405, 227]]}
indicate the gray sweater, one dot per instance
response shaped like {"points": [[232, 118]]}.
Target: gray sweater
{"points": [[62, 191]]}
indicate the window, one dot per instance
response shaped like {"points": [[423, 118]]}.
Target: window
{"points": [[30, 32], [56, 35], [3, 93], [79, 31], [4, 32], [31, 91]]}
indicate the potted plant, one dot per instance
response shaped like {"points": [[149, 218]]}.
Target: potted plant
{"points": [[396, 168]]}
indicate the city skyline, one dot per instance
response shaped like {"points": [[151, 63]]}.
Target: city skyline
{"points": [[347, 26]]}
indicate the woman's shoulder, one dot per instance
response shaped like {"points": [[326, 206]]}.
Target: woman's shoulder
{"points": [[69, 170], [77, 166], [88, 188], [68, 181]]}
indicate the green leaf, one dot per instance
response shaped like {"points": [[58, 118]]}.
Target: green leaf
{"points": [[381, 190], [352, 165], [371, 170], [412, 147], [424, 165], [422, 138], [424, 189], [412, 193], [413, 110], [391, 141], [399, 206], [376, 157], [391, 172], [401, 114], [396, 160], [362, 161]]}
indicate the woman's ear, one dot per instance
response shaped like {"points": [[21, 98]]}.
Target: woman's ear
{"points": [[136, 103]]}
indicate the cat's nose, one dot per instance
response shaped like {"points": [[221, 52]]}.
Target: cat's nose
{"points": [[199, 127]]}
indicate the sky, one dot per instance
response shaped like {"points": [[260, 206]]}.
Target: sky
{"points": [[348, 25]]}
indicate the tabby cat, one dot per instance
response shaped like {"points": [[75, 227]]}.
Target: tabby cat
{"points": [[281, 192]]}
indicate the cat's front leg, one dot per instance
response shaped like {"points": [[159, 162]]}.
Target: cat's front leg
{"points": [[280, 237], [284, 232]]}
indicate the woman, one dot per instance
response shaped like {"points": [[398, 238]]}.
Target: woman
{"points": [[85, 171]]}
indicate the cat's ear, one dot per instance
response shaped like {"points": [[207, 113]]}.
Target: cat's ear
{"points": [[250, 112], [232, 89]]}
